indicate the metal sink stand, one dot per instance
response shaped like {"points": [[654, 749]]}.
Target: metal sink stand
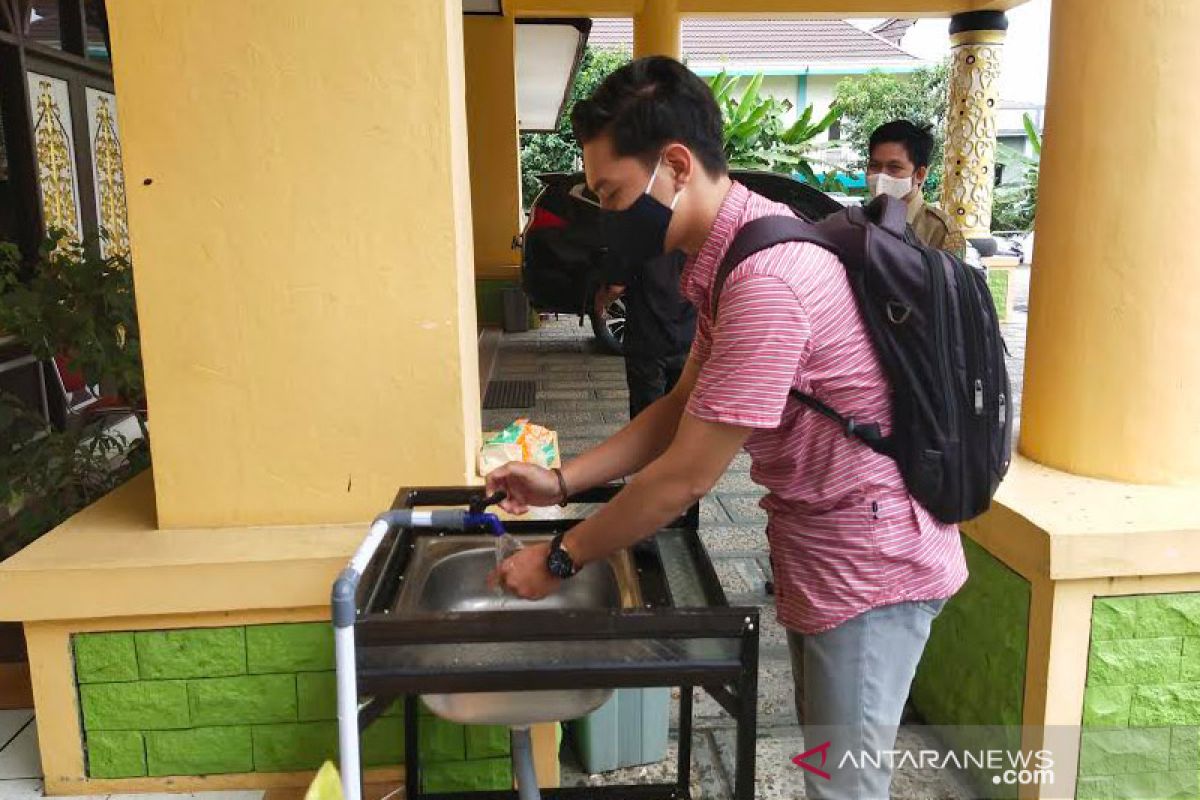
{"points": [[686, 635]]}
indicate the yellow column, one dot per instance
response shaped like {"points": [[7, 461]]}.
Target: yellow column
{"points": [[301, 228], [489, 46], [1112, 376], [976, 40], [656, 30]]}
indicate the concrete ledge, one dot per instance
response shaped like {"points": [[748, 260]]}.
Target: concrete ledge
{"points": [[110, 560], [1050, 524]]}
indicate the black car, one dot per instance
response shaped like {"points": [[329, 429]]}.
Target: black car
{"points": [[564, 261]]}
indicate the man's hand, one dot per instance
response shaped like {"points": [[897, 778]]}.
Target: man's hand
{"points": [[525, 485], [525, 574]]}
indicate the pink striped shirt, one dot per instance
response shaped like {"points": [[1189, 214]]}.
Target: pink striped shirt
{"points": [[845, 535]]}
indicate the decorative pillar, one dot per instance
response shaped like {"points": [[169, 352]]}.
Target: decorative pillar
{"points": [[656, 31], [489, 49], [300, 219], [977, 42], [1112, 371]]}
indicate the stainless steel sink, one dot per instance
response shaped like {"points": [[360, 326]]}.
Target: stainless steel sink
{"points": [[450, 574]]}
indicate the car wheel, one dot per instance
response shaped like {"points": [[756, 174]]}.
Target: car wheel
{"points": [[610, 328]]}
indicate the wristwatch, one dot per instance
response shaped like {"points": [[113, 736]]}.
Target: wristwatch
{"points": [[559, 561]]}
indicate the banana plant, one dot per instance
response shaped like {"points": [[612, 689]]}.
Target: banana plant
{"points": [[755, 134], [1035, 139]]}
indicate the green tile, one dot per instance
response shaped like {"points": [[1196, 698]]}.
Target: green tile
{"points": [[466, 776], [973, 668], [997, 281], [441, 740], [1122, 751], [1107, 706], [200, 751], [191, 653], [1181, 785], [141, 706], [383, 742], [244, 700], [297, 746], [1185, 747], [316, 694], [1162, 615], [1189, 669], [487, 741], [1095, 787], [105, 657], [1170, 704], [1134, 662], [294, 647], [1114, 618], [116, 754]]}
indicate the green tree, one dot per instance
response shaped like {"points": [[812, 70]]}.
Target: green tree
{"points": [[558, 151], [756, 135], [1014, 205], [870, 100]]}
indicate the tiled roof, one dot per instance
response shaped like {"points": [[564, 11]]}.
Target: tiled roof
{"points": [[765, 41], [893, 29]]}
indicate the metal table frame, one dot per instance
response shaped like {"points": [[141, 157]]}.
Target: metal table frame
{"points": [[377, 572]]}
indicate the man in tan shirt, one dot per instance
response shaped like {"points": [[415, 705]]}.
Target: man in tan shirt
{"points": [[898, 164]]}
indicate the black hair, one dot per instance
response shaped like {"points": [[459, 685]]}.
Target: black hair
{"points": [[649, 103], [917, 140]]}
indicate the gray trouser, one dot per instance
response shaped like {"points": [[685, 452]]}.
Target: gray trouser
{"points": [[851, 685]]}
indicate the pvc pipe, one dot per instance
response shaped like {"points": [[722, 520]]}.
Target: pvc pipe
{"points": [[522, 764], [347, 712]]}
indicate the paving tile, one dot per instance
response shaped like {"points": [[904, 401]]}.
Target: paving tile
{"points": [[743, 508], [740, 574], [20, 757], [736, 482], [734, 538], [777, 777], [712, 513], [708, 782], [11, 722], [776, 704], [27, 789]]}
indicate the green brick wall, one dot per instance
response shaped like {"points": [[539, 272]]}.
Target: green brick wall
{"points": [[258, 698], [1141, 713], [998, 280], [973, 669]]}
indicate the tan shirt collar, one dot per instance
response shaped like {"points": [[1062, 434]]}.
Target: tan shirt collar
{"points": [[915, 204]]}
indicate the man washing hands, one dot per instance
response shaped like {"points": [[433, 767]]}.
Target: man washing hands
{"points": [[861, 569]]}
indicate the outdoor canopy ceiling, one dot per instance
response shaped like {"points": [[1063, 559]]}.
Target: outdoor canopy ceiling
{"points": [[482, 7], [548, 55]]}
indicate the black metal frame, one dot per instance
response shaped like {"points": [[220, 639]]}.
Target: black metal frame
{"points": [[732, 681]]}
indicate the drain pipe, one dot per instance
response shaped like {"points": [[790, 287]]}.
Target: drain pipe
{"points": [[522, 764]]}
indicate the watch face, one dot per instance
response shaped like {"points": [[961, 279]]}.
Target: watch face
{"points": [[559, 564]]}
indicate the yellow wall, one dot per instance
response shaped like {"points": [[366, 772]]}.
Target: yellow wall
{"points": [[1112, 377], [490, 55], [302, 237]]}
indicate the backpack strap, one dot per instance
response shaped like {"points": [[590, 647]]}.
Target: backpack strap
{"points": [[762, 234], [867, 433], [766, 232]]}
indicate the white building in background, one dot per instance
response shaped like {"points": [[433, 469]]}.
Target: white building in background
{"points": [[802, 60]]}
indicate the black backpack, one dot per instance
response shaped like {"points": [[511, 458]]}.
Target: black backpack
{"points": [[931, 319]]}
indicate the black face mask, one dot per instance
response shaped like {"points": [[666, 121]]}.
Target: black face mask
{"points": [[639, 233]]}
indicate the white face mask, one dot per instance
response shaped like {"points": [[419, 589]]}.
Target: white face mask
{"points": [[882, 183]]}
